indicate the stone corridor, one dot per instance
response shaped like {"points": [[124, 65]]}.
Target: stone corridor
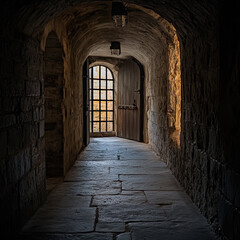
{"points": [[118, 189]]}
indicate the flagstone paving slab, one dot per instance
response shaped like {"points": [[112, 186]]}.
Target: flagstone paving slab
{"points": [[117, 200], [161, 181], [89, 187], [65, 220], [167, 197], [114, 227], [124, 236], [84, 236], [131, 213], [169, 231]]}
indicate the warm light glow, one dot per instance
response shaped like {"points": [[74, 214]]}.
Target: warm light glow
{"points": [[101, 96], [115, 48], [120, 20], [119, 14], [174, 94], [115, 52]]}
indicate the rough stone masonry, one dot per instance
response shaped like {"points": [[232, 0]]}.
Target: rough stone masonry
{"points": [[205, 159]]}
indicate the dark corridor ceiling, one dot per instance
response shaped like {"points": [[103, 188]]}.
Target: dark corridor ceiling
{"points": [[89, 25]]}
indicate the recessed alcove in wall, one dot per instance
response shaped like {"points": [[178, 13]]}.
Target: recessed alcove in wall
{"points": [[53, 96]]}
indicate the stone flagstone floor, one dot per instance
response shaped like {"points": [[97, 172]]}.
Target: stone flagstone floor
{"points": [[120, 190]]}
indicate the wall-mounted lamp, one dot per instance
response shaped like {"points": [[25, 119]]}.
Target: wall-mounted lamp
{"points": [[119, 14], [115, 48]]}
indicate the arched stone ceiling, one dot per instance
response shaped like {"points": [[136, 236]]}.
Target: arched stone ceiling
{"points": [[90, 28], [187, 16]]}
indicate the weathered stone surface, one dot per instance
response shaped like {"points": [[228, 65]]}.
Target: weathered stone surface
{"points": [[163, 181], [168, 230], [86, 236], [7, 120], [89, 173], [102, 206], [53, 93], [124, 236], [118, 200], [167, 197], [116, 163], [65, 220], [68, 201], [110, 227], [19, 165], [131, 213], [89, 187], [137, 170]]}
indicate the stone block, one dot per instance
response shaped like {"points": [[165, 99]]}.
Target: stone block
{"points": [[150, 182], [36, 159], [15, 140], [19, 165], [33, 72], [36, 114], [66, 236], [109, 227], [34, 132], [26, 104], [90, 187], [41, 129], [26, 134], [124, 236], [170, 231], [16, 87], [33, 88], [113, 213], [40, 175], [10, 104], [79, 220], [41, 112], [3, 144], [118, 200], [7, 120], [25, 117]]}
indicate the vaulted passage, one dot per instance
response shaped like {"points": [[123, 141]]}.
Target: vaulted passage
{"points": [[175, 88]]}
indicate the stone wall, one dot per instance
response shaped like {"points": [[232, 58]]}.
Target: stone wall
{"points": [[22, 165], [229, 119], [198, 169], [22, 124], [207, 160]]}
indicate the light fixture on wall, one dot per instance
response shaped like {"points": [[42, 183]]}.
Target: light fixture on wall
{"points": [[115, 48], [119, 14]]}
